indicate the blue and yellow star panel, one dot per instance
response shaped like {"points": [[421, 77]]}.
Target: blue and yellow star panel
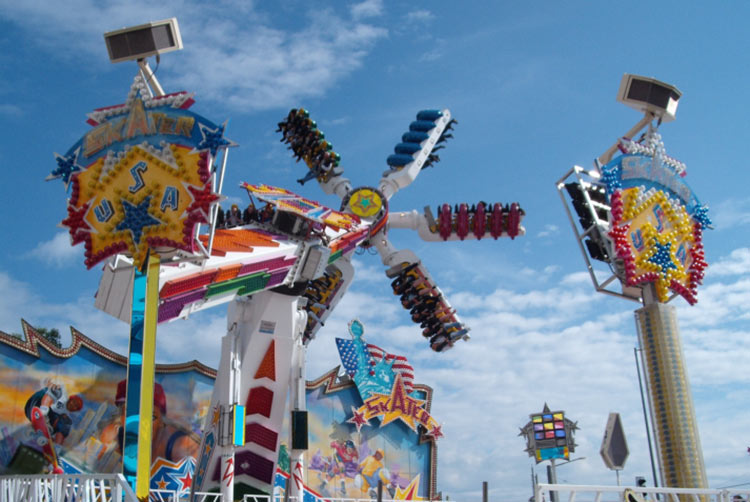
{"points": [[140, 178], [657, 222]]}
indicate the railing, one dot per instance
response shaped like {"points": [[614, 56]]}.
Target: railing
{"points": [[280, 498], [592, 493], [66, 488], [182, 496]]}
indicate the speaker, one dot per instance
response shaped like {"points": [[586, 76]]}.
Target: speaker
{"points": [[138, 42], [299, 430], [647, 94]]}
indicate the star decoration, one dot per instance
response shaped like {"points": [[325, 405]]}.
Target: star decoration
{"points": [[67, 166], [662, 257], [136, 218], [700, 214], [411, 492], [76, 223], [186, 481], [358, 418], [213, 139], [162, 484], [149, 147], [611, 177], [658, 242], [203, 199], [365, 202], [436, 432], [399, 403]]}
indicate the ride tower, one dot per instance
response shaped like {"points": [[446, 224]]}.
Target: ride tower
{"points": [[639, 227]]}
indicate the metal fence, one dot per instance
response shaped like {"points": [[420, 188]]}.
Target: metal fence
{"points": [[66, 488], [544, 492]]}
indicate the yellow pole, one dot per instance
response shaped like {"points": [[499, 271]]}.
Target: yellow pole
{"points": [[143, 472]]}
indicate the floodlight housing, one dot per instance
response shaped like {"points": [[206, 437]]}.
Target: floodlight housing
{"points": [[647, 94], [139, 42]]}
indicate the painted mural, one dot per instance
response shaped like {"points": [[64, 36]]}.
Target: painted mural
{"points": [[80, 389], [371, 424], [81, 392]]}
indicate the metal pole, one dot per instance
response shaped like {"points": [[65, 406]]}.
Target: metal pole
{"points": [[216, 207], [645, 418], [552, 479], [380, 490], [607, 156], [485, 494], [149, 77]]}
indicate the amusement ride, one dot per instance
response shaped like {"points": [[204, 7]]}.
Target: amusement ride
{"points": [[144, 188]]}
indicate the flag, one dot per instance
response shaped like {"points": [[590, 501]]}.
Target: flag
{"points": [[400, 365], [348, 354]]}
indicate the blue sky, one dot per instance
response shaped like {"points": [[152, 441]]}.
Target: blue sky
{"points": [[533, 87]]}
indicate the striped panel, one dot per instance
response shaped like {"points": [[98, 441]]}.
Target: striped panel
{"points": [[260, 435], [259, 402]]}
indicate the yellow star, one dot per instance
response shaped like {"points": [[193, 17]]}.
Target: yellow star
{"points": [[401, 405], [365, 203], [410, 492]]}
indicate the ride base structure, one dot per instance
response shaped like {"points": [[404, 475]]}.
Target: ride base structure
{"points": [[144, 186]]}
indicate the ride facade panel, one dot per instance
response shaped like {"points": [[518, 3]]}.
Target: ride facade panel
{"points": [[80, 390]]}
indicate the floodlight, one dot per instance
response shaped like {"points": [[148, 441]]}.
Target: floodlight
{"points": [[647, 94], [139, 42]]}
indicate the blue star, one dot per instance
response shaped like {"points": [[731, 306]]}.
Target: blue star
{"points": [[663, 257], [213, 139], [66, 167], [700, 214], [612, 178], [136, 217]]}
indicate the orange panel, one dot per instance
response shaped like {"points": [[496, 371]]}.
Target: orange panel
{"points": [[226, 273]]}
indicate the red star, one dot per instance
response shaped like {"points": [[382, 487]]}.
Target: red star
{"points": [[358, 418], [76, 224], [186, 481], [202, 200], [436, 432]]}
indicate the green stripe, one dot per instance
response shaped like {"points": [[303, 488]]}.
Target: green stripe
{"points": [[246, 284], [335, 256]]}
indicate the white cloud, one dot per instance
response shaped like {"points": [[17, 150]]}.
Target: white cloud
{"points": [[368, 8], [420, 15], [730, 214], [737, 262], [576, 278], [235, 55], [431, 56], [57, 251], [10, 110], [549, 230]]}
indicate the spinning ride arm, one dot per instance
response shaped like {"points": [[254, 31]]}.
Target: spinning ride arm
{"points": [[416, 150], [463, 222], [420, 295], [308, 143]]}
